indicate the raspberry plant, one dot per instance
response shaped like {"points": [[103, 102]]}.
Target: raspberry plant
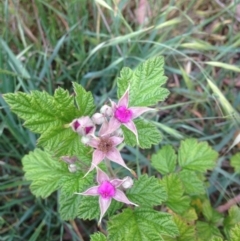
{"points": [[77, 146]]}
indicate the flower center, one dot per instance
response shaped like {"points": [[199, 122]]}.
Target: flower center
{"points": [[123, 114], [76, 124], [88, 129], [105, 145], [106, 190]]}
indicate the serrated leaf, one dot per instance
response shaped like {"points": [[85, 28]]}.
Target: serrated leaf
{"points": [[64, 103], [35, 109], [55, 137], [211, 214], [147, 192], [44, 171], [165, 160], [69, 202], [51, 115], [191, 183], [84, 100], [216, 239], [190, 215], [126, 75], [235, 162], [186, 231], [141, 224], [206, 231], [197, 156], [89, 208], [235, 233], [173, 186], [98, 237], [179, 206], [145, 82], [148, 134], [231, 220], [65, 142], [41, 111], [176, 201]]}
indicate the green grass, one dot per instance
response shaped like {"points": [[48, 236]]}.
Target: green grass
{"points": [[46, 44]]}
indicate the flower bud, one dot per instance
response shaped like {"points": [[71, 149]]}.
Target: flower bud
{"points": [[85, 139], [98, 118], [106, 110], [128, 182], [75, 125], [83, 125], [72, 167]]}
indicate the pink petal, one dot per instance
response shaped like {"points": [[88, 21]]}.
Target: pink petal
{"points": [[97, 157], [93, 143], [86, 121], [113, 104], [92, 191], [101, 176], [115, 156], [103, 128], [116, 140], [121, 197], [131, 126], [104, 204], [124, 99], [113, 125], [117, 182], [137, 111]]}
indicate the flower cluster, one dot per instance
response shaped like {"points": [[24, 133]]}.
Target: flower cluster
{"points": [[109, 136]]}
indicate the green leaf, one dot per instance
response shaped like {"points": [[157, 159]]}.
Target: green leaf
{"points": [[216, 239], [145, 82], [235, 162], [51, 116], [84, 100], [190, 215], [126, 75], [147, 192], [191, 183], [206, 231], [89, 208], [196, 156], [186, 231], [64, 104], [98, 237], [165, 160], [141, 224], [235, 233], [231, 220], [176, 201], [41, 111], [36, 108], [55, 137], [211, 214], [148, 134], [65, 142], [44, 171], [69, 202]]}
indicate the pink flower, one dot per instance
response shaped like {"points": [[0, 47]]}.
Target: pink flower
{"points": [[83, 125], [124, 115], [105, 147], [106, 190]]}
